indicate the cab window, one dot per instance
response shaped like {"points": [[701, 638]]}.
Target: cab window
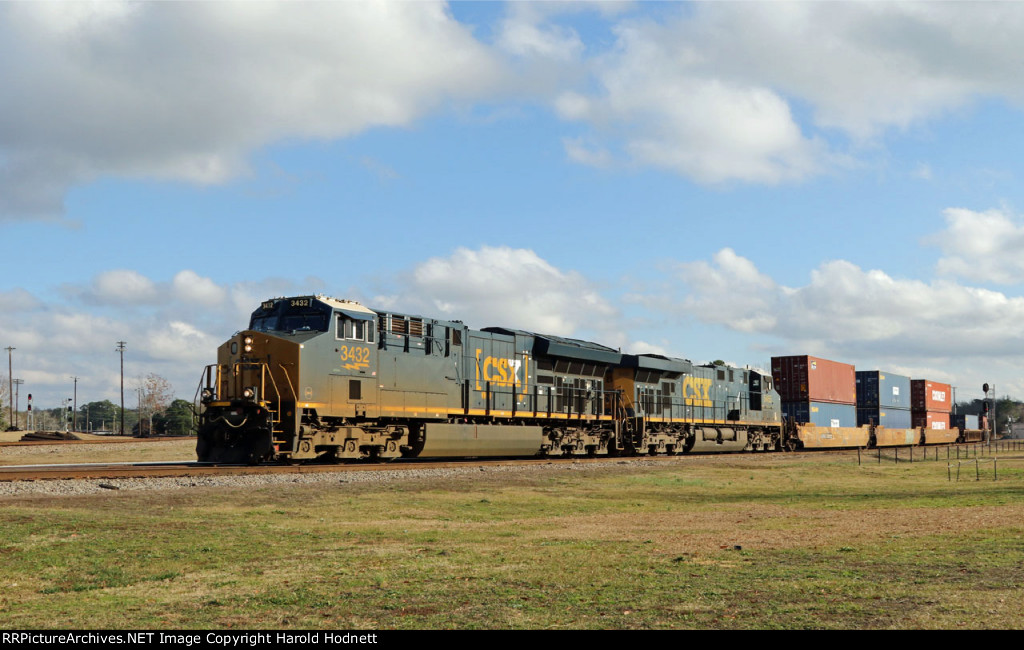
{"points": [[354, 329]]}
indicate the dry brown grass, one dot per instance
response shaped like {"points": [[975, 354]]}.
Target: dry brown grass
{"points": [[97, 449]]}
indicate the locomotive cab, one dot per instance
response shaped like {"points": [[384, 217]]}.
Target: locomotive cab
{"points": [[301, 359]]}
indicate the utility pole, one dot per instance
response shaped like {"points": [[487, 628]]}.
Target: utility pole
{"points": [[74, 413], [10, 381], [120, 348], [17, 401]]}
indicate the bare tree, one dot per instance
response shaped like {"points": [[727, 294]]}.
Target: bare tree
{"points": [[155, 395], [5, 414]]}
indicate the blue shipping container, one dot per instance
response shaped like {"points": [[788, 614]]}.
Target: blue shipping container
{"points": [[889, 418], [884, 389], [964, 421], [822, 414]]}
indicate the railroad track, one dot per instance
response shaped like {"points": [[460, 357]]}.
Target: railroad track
{"points": [[191, 468], [186, 468], [91, 441]]}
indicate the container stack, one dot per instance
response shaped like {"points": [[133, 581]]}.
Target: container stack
{"points": [[931, 403], [883, 399], [816, 391]]}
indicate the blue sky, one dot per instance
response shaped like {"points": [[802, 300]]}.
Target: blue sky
{"points": [[705, 180]]}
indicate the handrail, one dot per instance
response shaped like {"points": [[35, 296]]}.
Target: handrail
{"points": [[220, 383]]}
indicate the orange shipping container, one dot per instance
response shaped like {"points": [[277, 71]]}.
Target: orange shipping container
{"points": [[811, 379], [930, 420], [928, 395]]}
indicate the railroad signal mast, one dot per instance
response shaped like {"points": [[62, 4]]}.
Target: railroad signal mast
{"points": [[989, 433], [66, 413]]}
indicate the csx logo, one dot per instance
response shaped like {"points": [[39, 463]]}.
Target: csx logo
{"points": [[696, 391], [499, 371]]}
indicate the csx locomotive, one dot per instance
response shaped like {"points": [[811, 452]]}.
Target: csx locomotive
{"points": [[316, 377]]}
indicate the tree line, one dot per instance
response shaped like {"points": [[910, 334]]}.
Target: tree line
{"points": [[1006, 410], [155, 411], [105, 416]]}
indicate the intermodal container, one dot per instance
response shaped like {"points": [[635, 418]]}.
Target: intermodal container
{"points": [[821, 414], [884, 389], [930, 420], [811, 379], [964, 421], [932, 396], [889, 418]]}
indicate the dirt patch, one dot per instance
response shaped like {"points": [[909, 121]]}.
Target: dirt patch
{"points": [[777, 527]]}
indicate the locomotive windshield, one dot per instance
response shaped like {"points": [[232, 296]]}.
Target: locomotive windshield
{"points": [[291, 315]]}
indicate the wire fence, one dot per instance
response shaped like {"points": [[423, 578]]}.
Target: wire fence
{"points": [[957, 456]]}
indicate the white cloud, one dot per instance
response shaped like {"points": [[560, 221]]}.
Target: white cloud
{"points": [[181, 342], [187, 92], [171, 327], [586, 153], [18, 300], [982, 246], [122, 286], [670, 113], [863, 66], [524, 33], [846, 309], [731, 290], [711, 91], [191, 287], [644, 347], [717, 92], [503, 287]]}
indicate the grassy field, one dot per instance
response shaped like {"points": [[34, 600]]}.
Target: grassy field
{"points": [[134, 450], [753, 541]]}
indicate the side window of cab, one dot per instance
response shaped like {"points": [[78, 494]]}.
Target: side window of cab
{"points": [[351, 329]]}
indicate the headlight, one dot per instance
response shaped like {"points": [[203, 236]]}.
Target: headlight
{"points": [[208, 395], [249, 393], [248, 343]]}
